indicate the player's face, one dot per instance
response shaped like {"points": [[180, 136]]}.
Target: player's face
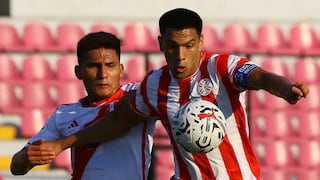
{"points": [[182, 50], [100, 71]]}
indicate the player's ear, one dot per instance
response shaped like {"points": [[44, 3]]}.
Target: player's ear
{"points": [[77, 72], [121, 70], [201, 42], [160, 44]]}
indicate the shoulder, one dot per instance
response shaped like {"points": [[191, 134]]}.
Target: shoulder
{"points": [[228, 60], [222, 58], [154, 77], [227, 57], [67, 108]]}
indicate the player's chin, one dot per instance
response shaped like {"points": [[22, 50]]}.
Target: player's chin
{"points": [[179, 75], [104, 93]]}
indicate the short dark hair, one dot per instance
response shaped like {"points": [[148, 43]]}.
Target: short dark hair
{"points": [[180, 18], [96, 40]]}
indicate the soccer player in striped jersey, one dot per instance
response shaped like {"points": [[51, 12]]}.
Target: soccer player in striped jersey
{"points": [[192, 73], [128, 157]]}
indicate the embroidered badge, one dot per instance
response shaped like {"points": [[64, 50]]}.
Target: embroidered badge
{"points": [[205, 87]]}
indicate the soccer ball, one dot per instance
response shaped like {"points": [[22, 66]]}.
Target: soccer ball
{"points": [[199, 126]]}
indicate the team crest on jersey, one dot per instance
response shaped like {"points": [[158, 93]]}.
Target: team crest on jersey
{"points": [[205, 87]]}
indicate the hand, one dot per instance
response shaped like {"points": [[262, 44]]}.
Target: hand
{"points": [[298, 91], [127, 98], [54, 147], [38, 155], [122, 109]]}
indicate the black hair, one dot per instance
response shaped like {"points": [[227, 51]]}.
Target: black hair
{"points": [[96, 40], [180, 18]]}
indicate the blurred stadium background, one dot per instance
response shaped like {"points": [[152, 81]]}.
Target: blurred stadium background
{"points": [[37, 51]]}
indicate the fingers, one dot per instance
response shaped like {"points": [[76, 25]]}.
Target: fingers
{"points": [[129, 96], [40, 161], [305, 90], [300, 89], [53, 146], [39, 150], [39, 155], [125, 102]]}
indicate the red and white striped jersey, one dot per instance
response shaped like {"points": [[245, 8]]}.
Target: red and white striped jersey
{"points": [[161, 95], [128, 157]]}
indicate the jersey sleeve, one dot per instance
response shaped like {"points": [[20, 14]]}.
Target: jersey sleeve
{"points": [[49, 131], [131, 86], [240, 68], [140, 106], [144, 95]]}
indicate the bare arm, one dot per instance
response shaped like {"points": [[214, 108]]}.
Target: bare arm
{"points": [[109, 127], [277, 85]]}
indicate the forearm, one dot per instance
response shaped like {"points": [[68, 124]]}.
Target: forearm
{"points": [[277, 85], [20, 164], [109, 127]]}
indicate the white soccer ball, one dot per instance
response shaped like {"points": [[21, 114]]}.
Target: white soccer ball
{"points": [[199, 126]]}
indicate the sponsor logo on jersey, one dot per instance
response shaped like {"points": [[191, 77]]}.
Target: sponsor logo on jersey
{"points": [[74, 123]]}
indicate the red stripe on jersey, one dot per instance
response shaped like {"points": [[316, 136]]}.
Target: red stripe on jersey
{"points": [[82, 154], [228, 153], [143, 89], [203, 163], [254, 166], [184, 88], [239, 114], [201, 159], [164, 83]]}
